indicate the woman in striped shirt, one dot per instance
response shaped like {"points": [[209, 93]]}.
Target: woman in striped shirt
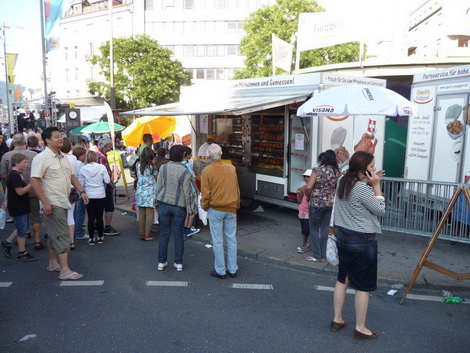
{"points": [[358, 204]]}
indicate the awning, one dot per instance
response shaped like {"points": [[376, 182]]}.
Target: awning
{"points": [[231, 105]]}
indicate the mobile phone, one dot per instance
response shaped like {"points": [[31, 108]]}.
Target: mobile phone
{"points": [[369, 174]]}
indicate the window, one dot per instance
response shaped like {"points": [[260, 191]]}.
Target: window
{"points": [[200, 74], [190, 71], [168, 4], [77, 93], [210, 50], [209, 27], [75, 50], [76, 74], [66, 54], [179, 27], [201, 50], [148, 5], [168, 27], [231, 26], [220, 74], [198, 27], [189, 4], [220, 4], [220, 50], [66, 74], [91, 49], [188, 27], [210, 74], [188, 50], [231, 50], [462, 42]]}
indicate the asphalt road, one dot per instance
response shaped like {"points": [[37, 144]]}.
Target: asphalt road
{"points": [[191, 311]]}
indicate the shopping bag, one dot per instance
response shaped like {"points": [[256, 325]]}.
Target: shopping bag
{"points": [[332, 251], [201, 212], [155, 216], [3, 218]]}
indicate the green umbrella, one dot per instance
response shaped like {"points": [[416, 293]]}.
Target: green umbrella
{"points": [[78, 130], [99, 128]]}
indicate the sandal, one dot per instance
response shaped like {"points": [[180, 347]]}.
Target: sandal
{"points": [[38, 245], [142, 237], [149, 238], [72, 246]]}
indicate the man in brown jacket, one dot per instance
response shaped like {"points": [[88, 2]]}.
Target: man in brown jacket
{"points": [[221, 199]]}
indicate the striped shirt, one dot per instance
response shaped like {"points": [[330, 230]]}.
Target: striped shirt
{"points": [[361, 211]]}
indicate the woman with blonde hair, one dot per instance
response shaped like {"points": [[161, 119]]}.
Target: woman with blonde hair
{"points": [[93, 177]]}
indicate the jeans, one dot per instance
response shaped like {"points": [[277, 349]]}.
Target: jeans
{"points": [[171, 219], [223, 223], [319, 222], [79, 216], [21, 224], [95, 209]]}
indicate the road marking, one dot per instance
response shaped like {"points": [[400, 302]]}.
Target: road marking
{"points": [[166, 283], [251, 286], [81, 283], [332, 289], [5, 284]]}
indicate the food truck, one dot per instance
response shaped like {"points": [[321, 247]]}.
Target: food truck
{"points": [[255, 123], [437, 147]]}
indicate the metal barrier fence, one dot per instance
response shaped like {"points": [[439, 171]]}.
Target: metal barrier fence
{"points": [[416, 206]]}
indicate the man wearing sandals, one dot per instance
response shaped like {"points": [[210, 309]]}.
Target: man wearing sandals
{"points": [[51, 175], [5, 168]]}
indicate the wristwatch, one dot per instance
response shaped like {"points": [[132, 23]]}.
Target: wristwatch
{"points": [[82, 192]]}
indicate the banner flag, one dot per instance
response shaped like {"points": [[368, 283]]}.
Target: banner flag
{"points": [[53, 15], [282, 53], [324, 29]]}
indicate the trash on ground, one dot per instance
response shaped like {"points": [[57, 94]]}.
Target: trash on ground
{"points": [[123, 213], [27, 337], [397, 286], [208, 246], [392, 292], [453, 300], [446, 293]]}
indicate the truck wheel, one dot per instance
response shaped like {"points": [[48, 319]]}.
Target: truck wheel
{"points": [[248, 204]]}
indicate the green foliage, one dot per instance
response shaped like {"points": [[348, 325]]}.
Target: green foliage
{"points": [[282, 20], [144, 73]]}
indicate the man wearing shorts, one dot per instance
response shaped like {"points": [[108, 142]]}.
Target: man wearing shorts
{"points": [[105, 146], [52, 175]]}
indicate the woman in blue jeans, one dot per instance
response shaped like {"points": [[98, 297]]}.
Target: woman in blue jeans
{"points": [[321, 189], [358, 204]]}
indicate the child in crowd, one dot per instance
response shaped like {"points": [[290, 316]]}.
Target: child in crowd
{"points": [[303, 213], [146, 192], [18, 206], [189, 229], [93, 177], [79, 213]]}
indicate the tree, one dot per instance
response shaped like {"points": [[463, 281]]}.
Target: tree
{"points": [[144, 73], [282, 20]]}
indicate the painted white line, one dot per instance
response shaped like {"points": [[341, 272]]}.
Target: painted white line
{"points": [[81, 283], [332, 289], [166, 283], [5, 284], [251, 286]]}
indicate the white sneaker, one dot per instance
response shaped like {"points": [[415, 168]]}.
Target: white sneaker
{"points": [[85, 237], [162, 265], [179, 267]]}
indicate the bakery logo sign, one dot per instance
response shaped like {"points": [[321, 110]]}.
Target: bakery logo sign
{"points": [[323, 109], [408, 110], [423, 96], [366, 92]]}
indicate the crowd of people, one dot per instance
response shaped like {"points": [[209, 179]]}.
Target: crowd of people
{"points": [[65, 181]]}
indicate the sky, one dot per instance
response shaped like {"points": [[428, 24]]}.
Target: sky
{"points": [[24, 35]]}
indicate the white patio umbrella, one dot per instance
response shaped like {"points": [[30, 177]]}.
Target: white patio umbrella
{"points": [[357, 100]]}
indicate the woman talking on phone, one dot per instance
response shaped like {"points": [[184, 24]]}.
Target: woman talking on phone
{"points": [[358, 204]]}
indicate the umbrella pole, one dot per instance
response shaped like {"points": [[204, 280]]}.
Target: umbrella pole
{"points": [[191, 123]]}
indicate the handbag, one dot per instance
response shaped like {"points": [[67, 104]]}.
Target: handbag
{"points": [[74, 196], [332, 251]]}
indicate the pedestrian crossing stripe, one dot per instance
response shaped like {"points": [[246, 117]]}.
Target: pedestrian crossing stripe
{"points": [[166, 284], [332, 289], [81, 283], [251, 286], [5, 284]]}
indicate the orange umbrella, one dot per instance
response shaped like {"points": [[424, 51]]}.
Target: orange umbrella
{"points": [[162, 126]]}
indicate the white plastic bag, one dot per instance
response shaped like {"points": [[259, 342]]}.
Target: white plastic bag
{"points": [[332, 251], [3, 218], [201, 212]]}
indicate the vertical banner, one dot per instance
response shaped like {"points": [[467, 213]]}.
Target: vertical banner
{"points": [[11, 62], [53, 14], [117, 170], [281, 54]]}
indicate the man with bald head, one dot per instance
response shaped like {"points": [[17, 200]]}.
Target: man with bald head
{"points": [[19, 142]]}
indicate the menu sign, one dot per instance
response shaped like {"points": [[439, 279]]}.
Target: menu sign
{"points": [[418, 148]]}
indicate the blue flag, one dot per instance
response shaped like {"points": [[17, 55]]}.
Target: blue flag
{"points": [[53, 15]]}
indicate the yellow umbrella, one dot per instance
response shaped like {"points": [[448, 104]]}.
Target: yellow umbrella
{"points": [[161, 126]]}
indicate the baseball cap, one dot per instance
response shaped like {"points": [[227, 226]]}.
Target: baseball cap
{"points": [[308, 172]]}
